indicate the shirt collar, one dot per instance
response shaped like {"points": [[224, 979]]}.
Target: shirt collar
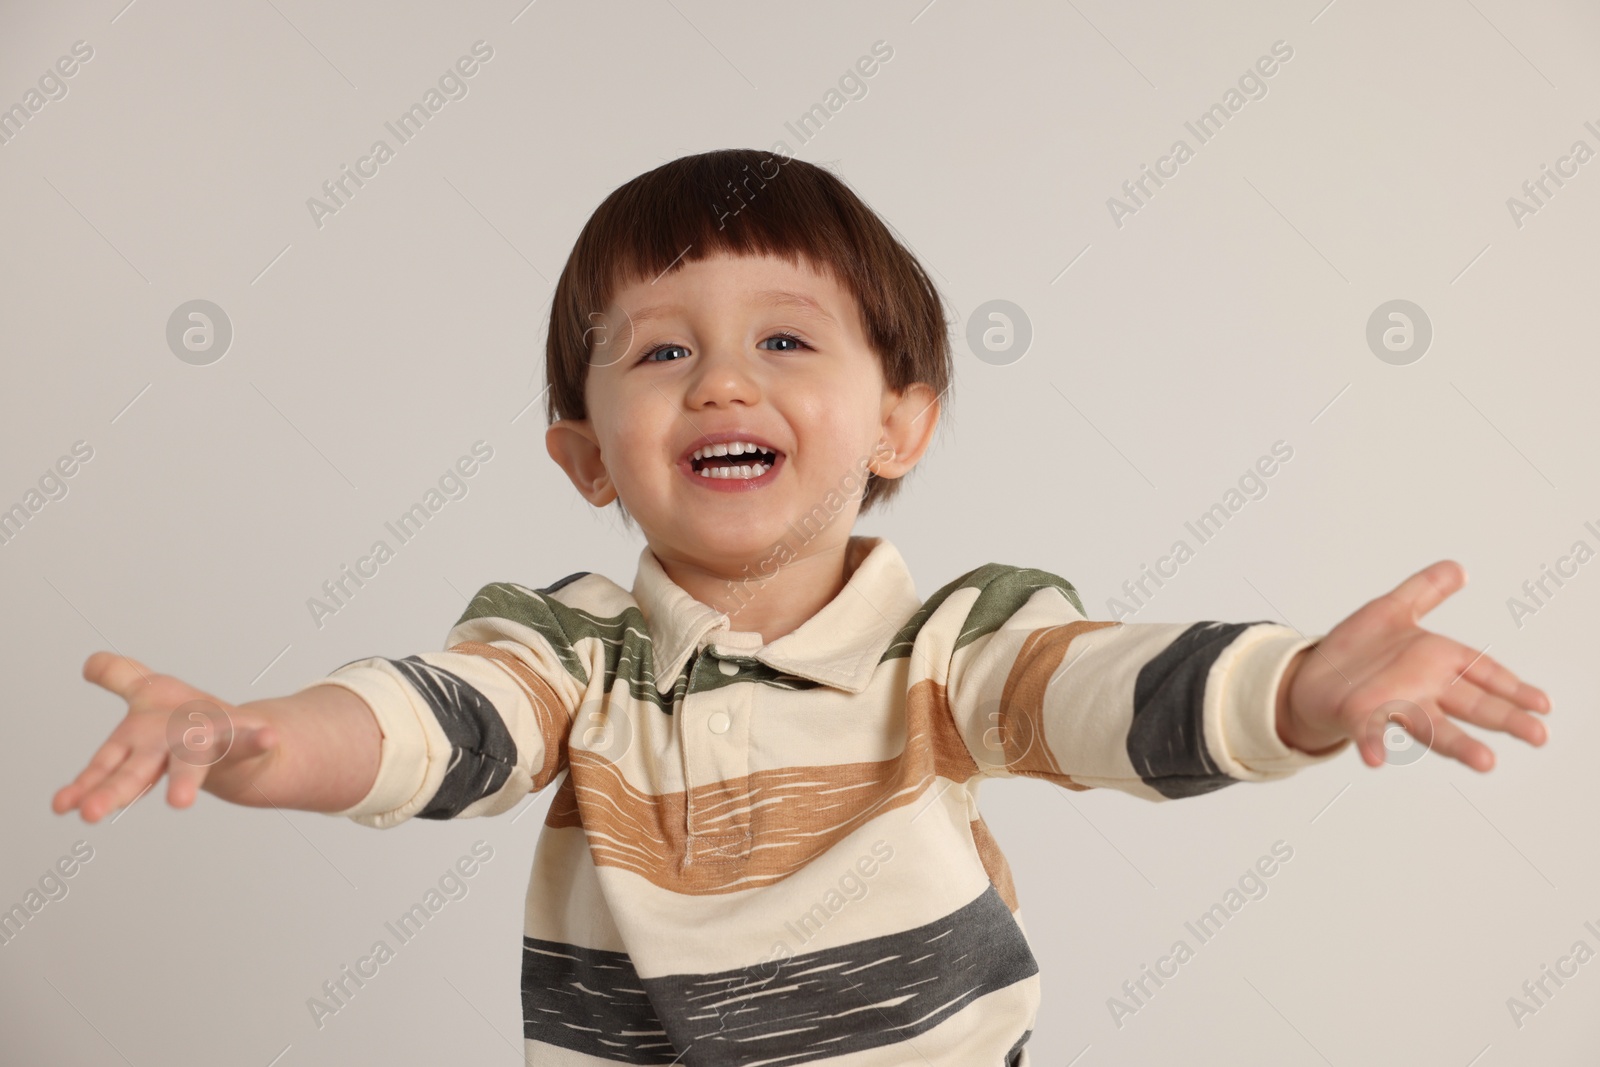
{"points": [[839, 646]]}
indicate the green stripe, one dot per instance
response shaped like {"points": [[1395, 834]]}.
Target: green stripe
{"points": [[750, 670], [1003, 590], [624, 638], [629, 654], [549, 618]]}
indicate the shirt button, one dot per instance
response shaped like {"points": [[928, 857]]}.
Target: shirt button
{"points": [[719, 722], [727, 667]]}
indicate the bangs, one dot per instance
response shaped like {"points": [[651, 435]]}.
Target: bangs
{"points": [[731, 202], [713, 207]]}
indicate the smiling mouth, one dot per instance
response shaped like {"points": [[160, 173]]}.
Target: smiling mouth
{"points": [[733, 460]]}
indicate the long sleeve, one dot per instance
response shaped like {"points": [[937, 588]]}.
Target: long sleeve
{"points": [[1158, 710], [473, 729]]}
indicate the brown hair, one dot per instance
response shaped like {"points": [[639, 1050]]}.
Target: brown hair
{"points": [[741, 201]]}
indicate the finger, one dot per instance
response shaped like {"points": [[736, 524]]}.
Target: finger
{"points": [[1379, 746], [228, 741], [1426, 589], [1371, 748], [106, 760], [188, 770], [1451, 740], [139, 772], [183, 782], [255, 741], [121, 675], [1482, 708], [1488, 673], [1368, 740]]}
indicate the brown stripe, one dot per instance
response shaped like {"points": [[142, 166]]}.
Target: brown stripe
{"points": [[994, 862], [554, 722], [766, 825], [1021, 711], [928, 703]]}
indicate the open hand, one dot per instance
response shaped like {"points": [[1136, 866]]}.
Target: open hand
{"points": [[1334, 690], [172, 728]]}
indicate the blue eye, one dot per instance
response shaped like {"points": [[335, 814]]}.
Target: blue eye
{"points": [[649, 355], [646, 358], [782, 336]]}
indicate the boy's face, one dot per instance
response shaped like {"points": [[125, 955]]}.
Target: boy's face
{"points": [[751, 349]]}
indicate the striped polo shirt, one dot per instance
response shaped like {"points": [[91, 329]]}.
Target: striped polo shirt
{"points": [[771, 852]]}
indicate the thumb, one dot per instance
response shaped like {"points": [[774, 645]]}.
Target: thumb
{"points": [[120, 674], [1428, 588]]}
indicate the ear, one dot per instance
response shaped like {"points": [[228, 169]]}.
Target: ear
{"points": [[575, 448], [909, 418]]}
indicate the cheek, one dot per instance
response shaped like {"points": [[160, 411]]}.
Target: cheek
{"points": [[625, 459], [635, 437], [629, 438], [843, 428]]}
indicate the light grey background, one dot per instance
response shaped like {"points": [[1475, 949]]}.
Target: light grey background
{"points": [[1228, 313]]}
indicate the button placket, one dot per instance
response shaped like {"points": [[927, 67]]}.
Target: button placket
{"points": [[716, 749]]}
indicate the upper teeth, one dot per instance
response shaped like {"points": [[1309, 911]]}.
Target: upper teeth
{"points": [[730, 448]]}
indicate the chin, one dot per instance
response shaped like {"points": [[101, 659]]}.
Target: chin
{"points": [[754, 535], [732, 544]]}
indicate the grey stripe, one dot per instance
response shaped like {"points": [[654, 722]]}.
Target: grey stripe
{"points": [[482, 751], [865, 995], [1167, 740]]}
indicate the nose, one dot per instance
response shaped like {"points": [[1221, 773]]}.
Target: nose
{"points": [[722, 377]]}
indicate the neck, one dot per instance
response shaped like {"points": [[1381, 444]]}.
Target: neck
{"points": [[772, 606]]}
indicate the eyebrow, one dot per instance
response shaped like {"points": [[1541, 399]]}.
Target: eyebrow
{"points": [[770, 297]]}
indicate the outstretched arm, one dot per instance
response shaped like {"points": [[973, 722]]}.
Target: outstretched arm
{"points": [[1157, 710]]}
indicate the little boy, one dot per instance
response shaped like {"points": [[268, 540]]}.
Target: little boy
{"points": [[767, 846]]}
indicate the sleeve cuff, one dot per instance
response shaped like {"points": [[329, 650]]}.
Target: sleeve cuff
{"points": [[403, 760], [1242, 706]]}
